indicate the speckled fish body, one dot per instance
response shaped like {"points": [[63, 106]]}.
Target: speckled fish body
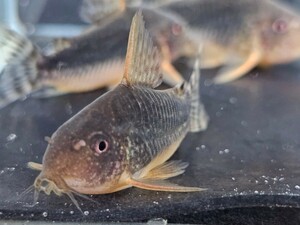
{"points": [[256, 32], [125, 137], [138, 124]]}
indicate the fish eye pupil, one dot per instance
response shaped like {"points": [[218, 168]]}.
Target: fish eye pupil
{"points": [[280, 26], [176, 29], [102, 145]]}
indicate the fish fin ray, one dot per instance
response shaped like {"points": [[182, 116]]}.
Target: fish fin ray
{"points": [[170, 75], [99, 11], [18, 66], [166, 170], [161, 185], [142, 63], [198, 116], [231, 73], [159, 159]]}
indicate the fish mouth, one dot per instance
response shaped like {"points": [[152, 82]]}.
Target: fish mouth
{"points": [[47, 186]]}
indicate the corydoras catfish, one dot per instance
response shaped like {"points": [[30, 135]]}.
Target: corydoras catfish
{"points": [[125, 137], [241, 34], [92, 60]]}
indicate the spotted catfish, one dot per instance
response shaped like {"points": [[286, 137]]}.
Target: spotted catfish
{"points": [[241, 34], [92, 60], [125, 137]]}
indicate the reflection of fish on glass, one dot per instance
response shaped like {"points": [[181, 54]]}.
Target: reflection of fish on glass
{"points": [[125, 137], [241, 34], [92, 60]]}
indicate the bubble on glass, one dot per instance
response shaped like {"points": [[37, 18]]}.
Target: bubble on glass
{"points": [[233, 100]]}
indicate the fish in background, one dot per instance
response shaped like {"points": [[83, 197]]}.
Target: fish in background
{"points": [[241, 34], [90, 61], [96, 11], [125, 137], [238, 35]]}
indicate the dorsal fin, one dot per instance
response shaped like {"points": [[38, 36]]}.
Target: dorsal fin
{"points": [[97, 11], [142, 63]]}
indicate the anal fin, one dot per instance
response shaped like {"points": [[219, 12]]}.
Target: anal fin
{"points": [[161, 185]]}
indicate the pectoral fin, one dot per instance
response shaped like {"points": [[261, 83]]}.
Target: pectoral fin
{"points": [[170, 75], [234, 72], [167, 170], [155, 178], [161, 185]]}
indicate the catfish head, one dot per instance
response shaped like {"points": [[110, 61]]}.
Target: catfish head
{"points": [[280, 35]]}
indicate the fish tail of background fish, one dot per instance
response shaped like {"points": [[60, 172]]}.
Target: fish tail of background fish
{"points": [[18, 70]]}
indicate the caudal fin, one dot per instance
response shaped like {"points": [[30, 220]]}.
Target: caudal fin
{"points": [[199, 118], [18, 70]]}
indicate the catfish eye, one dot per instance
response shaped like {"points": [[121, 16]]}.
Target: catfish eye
{"points": [[280, 26], [176, 29], [99, 142], [101, 146]]}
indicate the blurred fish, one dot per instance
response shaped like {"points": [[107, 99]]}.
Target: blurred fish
{"points": [[125, 137], [241, 34], [92, 60], [97, 11]]}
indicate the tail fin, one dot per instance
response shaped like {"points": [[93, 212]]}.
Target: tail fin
{"points": [[18, 70], [199, 118]]}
